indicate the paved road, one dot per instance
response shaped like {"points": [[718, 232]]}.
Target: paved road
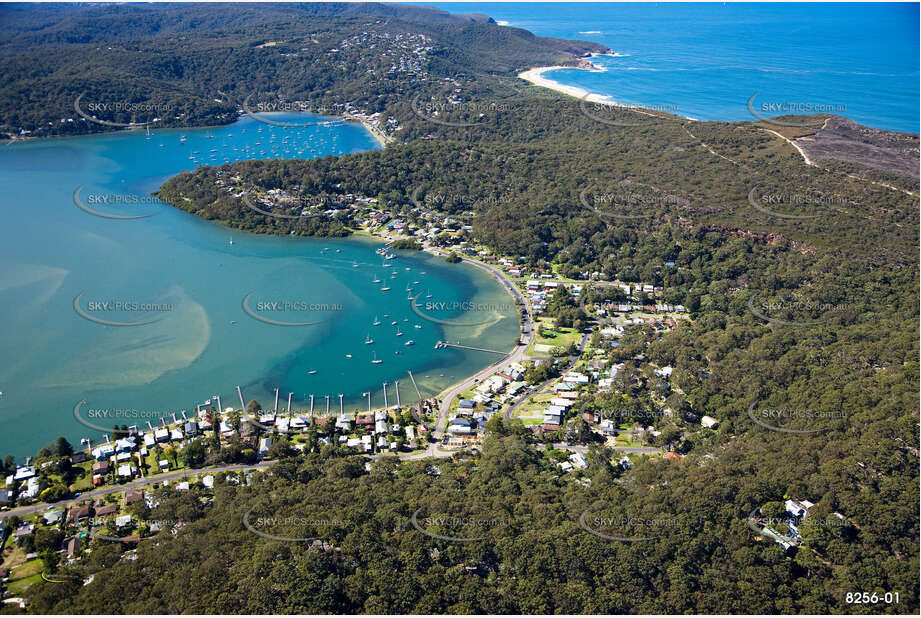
{"points": [[583, 340], [520, 353], [34, 508]]}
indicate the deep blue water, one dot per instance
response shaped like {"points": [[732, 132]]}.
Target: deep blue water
{"points": [[705, 61]]}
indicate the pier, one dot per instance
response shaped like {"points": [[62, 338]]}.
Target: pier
{"points": [[413, 380], [445, 344]]}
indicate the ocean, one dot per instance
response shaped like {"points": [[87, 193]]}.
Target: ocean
{"points": [[706, 61]]}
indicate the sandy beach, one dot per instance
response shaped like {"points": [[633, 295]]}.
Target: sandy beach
{"points": [[536, 77]]}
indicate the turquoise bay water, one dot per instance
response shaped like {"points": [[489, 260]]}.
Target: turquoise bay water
{"points": [[193, 279], [705, 61]]}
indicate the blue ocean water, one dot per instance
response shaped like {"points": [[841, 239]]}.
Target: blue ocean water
{"points": [[705, 61]]}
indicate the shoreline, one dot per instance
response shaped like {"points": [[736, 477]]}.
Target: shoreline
{"points": [[535, 76]]}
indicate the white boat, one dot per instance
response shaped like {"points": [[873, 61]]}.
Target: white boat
{"points": [[368, 339], [385, 289], [376, 280], [410, 342], [231, 241], [376, 322], [417, 326], [348, 356], [312, 371], [399, 334], [375, 360], [394, 323]]}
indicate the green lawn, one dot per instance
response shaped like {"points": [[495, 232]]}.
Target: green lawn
{"points": [[23, 576]]}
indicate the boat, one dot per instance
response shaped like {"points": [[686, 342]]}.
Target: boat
{"points": [[368, 339], [415, 283], [375, 280], [394, 323], [410, 342], [231, 241], [375, 360], [386, 264], [312, 371], [385, 289], [428, 294], [354, 264], [348, 356], [417, 326], [376, 322], [399, 334]]}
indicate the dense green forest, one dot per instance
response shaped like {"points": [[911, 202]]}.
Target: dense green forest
{"points": [[189, 65], [816, 315]]}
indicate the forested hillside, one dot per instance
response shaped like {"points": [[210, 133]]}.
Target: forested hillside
{"points": [[801, 282]]}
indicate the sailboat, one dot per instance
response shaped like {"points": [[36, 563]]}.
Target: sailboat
{"points": [[428, 294], [375, 360], [231, 241], [376, 280], [376, 322], [399, 334], [368, 339], [148, 131]]}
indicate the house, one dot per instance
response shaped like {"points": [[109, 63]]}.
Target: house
{"points": [[264, 445], [23, 530], [78, 457], [31, 489], [125, 471], [23, 473], [108, 509], [132, 496], [460, 425], [161, 435], [798, 508], [176, 434], [183, 486], [466, 404], [149, 440], [578, 461], [709, 422], [103, 452], [75, 514], [191, 429], [574, 377], [551, 418], [72, 546], [123, 521], [53, 516], [5, 497], [124, 445], [380, 426], [208, 481], [352, 442], [163, 464]]}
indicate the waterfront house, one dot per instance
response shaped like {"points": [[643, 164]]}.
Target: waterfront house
{"points": [[191, 428], [103, 452], [161, 434], [101, 467]]}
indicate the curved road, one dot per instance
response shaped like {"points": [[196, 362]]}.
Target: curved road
{"points": [[142, 482], [518, 354]]}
